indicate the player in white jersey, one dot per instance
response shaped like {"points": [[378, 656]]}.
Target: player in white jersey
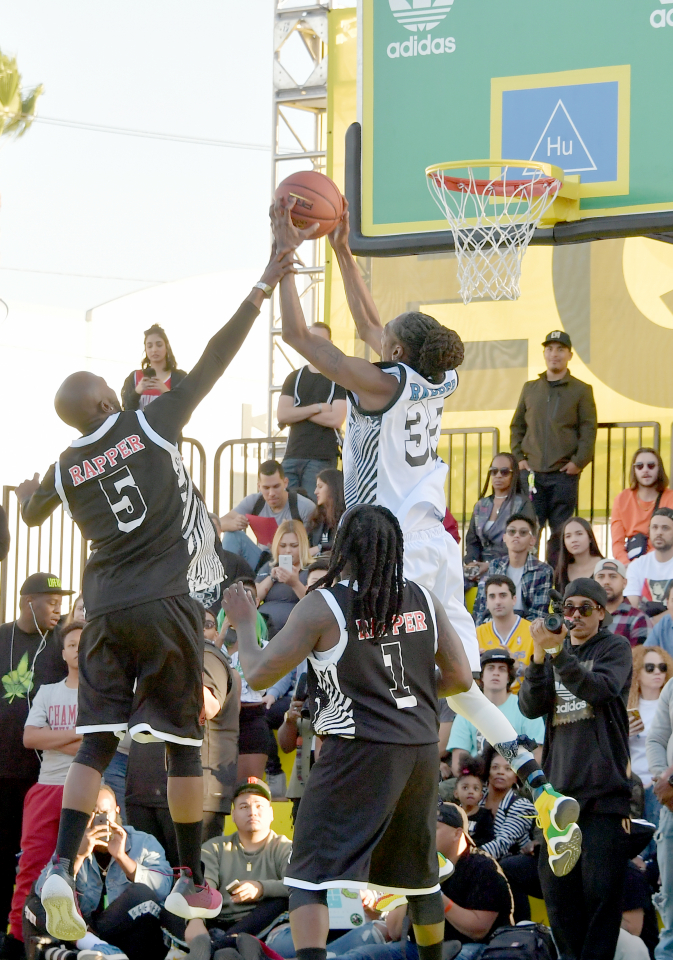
{"points": [[390, 459]]}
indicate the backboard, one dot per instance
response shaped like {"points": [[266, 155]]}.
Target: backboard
{"points": [[582, 85]]}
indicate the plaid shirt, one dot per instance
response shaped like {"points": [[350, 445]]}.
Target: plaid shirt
{"points": [[631, 623], [536, 582]]}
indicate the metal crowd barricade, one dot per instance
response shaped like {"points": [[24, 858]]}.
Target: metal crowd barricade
{"points": [[468, 451], [608, 473], [54, 547], [57, 546], [237, 476]]}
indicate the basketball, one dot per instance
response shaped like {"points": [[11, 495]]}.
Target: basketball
{"points": [[317, 200]]}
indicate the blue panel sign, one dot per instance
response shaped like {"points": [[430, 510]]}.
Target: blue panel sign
{"points": [[574, 127]]}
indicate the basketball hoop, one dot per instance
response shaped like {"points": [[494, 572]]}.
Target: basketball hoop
{"points": [[493, 219]]}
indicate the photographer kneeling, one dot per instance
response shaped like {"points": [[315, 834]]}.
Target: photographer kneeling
{"points": [[122, 878], [580, 680]]}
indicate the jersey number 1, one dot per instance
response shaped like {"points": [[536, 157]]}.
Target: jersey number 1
{"points": [[392, 660], [125, 499]]}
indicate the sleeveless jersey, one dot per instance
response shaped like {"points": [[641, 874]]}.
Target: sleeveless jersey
{"points": [[382, 690], [127, 490], [390, 455]]}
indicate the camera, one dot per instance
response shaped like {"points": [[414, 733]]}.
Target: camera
{"points": [[555, 621], [149, 372], [301, 693]]}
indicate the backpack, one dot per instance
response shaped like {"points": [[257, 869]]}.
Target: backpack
{"points": [[530, 941], [291, 499]]}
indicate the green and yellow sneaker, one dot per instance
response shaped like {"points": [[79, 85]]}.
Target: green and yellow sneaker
{"points": [[557, 816]]}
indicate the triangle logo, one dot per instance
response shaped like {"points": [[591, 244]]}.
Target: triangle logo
{"points": [[560, 143]]}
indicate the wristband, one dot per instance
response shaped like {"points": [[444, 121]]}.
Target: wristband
{"points": [[448, 907], [264, 287]]}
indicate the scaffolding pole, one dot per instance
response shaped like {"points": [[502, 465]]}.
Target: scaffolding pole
{"points": [[298, 145]]}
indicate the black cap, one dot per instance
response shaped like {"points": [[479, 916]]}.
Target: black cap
{"points": [[43, 583], [253, 785], [496, 654], [451, 815], [586, 587], [558, 336]]}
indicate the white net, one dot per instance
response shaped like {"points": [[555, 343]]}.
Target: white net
{"points": [[492, 221]]}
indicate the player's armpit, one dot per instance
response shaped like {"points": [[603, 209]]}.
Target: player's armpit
{"points": [[374, 388], [310, 622], [39, 507], [455, 675]]}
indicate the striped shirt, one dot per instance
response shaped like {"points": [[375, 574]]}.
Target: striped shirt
{"points": [[514, 821]]}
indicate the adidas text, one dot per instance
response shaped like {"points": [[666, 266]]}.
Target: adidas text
{"points": [[413, 47]]}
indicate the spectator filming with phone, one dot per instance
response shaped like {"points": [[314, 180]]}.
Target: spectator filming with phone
{"points": [[286, 583], [122, 878]]}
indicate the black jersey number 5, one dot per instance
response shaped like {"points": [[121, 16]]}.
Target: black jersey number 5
{"points": [[392, 660], [422, 428], [125, 499]]}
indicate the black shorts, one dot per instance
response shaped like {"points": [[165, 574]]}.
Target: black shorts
{"points": [[158, 644], [253, 730], [368, 817]]}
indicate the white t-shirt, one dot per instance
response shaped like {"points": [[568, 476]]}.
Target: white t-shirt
{"points": [[54, 706], [647, 578], [647, 709], [515, 574]]}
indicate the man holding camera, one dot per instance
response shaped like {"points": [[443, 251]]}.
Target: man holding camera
{"points": [[122, 878], [579, 679]]}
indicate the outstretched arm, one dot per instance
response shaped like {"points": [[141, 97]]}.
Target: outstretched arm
{"points": [[169, 413], [38, 500], [373, 387], [360, 301], [454, 674], [309, 621]]}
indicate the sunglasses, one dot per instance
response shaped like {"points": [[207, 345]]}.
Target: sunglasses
{"points": [[651, 667], [640, 466], [584, 609], [522, 531], [502, 471]]}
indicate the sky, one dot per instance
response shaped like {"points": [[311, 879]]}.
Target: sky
{"points": [[87, 218]]}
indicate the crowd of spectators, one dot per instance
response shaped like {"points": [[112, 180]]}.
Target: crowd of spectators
{"points": [[596, 709]]}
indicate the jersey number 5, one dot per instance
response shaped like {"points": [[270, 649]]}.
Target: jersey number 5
{"points": [[392, 660], [422, 428], [125, 499]]}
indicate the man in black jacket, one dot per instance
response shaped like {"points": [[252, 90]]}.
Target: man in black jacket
{"points": [[582, 686], [553, 433]]}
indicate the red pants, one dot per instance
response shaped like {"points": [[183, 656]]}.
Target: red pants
{"points": [[41, 815]]}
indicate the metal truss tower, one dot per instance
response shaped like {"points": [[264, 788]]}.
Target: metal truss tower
{"points": [[299, 143]]}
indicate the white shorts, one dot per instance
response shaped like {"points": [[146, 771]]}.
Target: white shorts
{"points": [[432, 558]]}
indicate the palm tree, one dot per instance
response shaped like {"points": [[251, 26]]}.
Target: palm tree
{"points": [[17, 107]]}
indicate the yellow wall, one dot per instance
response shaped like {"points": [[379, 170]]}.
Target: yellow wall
{"points": [[614, 297]]}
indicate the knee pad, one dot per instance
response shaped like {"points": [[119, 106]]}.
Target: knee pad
{"points": [[183, 760], [300, 897], [97, 749], [426, 909]]}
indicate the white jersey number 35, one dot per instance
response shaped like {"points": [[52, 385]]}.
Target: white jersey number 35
{"points": [[422, 430]]}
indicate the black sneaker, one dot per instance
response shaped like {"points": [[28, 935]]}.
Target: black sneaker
{"points": [[64, 921]]}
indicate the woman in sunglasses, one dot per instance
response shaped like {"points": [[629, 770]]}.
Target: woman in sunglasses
{"points": [[633, 508], [652, 667], [508, 496]]}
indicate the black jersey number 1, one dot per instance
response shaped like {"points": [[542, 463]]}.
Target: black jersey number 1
{"points": [[125, 499], [392, 660]]}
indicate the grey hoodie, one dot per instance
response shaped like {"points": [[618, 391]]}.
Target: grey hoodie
{"points": [[659, 743]]}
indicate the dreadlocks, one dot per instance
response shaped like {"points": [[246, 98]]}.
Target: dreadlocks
{"points": [[431, 348], [369, 542]]}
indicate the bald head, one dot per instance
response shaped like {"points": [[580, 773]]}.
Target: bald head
{"points": [[84, 401]]}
